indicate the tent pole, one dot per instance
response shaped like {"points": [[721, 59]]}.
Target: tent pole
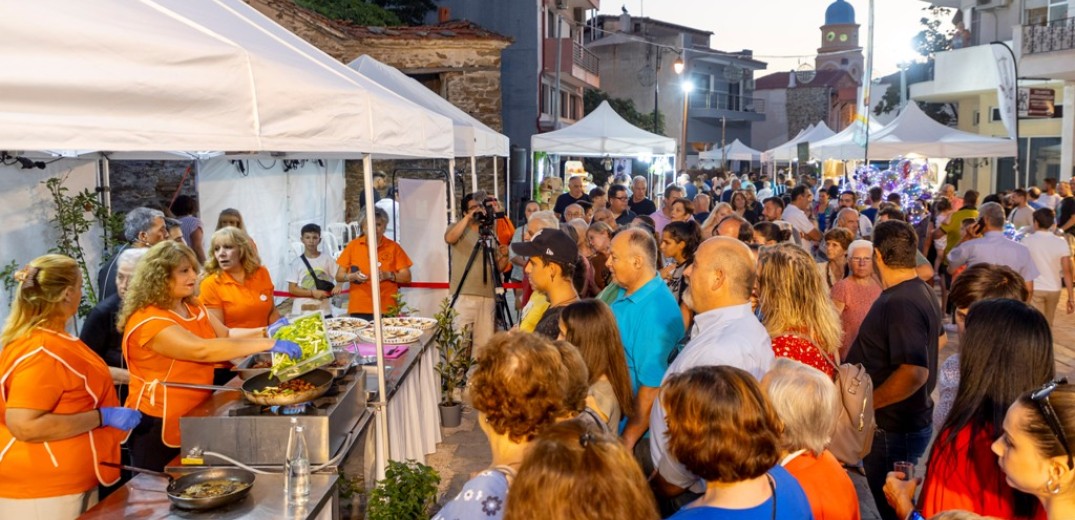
{"points": [[106, 184], [451, 190], [496, 185], [474, 173], [507, 183], [379, 407]]}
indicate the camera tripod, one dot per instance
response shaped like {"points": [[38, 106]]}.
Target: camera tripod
{"points": [[485, 246]]}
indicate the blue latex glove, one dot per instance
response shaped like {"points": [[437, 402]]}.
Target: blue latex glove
{"points": [[272, 329], [120, 418], [290, 348]]}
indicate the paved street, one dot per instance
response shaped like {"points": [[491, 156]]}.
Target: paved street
{"points": [[1064, 341]]}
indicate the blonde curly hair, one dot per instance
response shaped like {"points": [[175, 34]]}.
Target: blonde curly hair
{"points": [[231, 236], [151, 283], [793, 297], [40, 294]]}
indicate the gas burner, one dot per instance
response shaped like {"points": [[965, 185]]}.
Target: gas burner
{"points": [[291, 409]]}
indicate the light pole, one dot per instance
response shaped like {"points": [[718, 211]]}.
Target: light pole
{"points": [[1014, 88], [679, 66]]}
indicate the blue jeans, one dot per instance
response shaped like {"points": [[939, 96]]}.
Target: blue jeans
{"points": [[888, 448]]}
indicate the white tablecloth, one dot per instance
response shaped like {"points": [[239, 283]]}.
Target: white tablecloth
{"points": [[413, 416]]}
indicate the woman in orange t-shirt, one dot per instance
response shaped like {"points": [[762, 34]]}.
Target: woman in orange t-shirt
{"points": [[237, 290], [59, 415], [393, 265], [169, 336]]}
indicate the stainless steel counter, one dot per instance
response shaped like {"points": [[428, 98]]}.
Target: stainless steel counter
{"points": [[143, 498]]}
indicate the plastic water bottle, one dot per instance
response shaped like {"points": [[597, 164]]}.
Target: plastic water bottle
{"points": [[297, 466]]}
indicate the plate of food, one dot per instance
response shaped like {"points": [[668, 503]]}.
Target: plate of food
{"points": [[346, 324], [392, 335], [339, 338], [411, 322]]}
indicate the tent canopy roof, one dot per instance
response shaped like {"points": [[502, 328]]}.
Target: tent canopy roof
{"points": [[790, 149], [736, 151], [209, 75], [843, 145], [472, 137], [915, 132], [602, 132]]}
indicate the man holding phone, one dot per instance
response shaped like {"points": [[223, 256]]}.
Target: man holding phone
{"points": [[994, 248]]}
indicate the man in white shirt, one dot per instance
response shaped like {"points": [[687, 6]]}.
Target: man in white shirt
{"points": [[795, 214], [1052, 256], [1049, 199], [726, 332]]}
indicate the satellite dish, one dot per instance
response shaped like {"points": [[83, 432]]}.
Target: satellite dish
{"points": [[805, 73], [733, 74]]}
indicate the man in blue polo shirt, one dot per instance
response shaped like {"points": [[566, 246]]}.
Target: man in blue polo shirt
{"points": [[649, 321]]}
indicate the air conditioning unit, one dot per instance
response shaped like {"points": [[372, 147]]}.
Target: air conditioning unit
{"points": [[991, 4]]}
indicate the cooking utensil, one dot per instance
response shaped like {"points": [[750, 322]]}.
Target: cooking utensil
{"points": [[177, 486], [319, 378]]}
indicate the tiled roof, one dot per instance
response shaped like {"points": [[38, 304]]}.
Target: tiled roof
{"points": [[780, 80], [455, 29]]}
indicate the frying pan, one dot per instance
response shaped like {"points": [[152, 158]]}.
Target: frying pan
{"points": [[321, 379], [176, 486]]}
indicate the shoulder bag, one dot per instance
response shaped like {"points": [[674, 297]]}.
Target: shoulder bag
{"points": [[855, 425], [319, 284]]}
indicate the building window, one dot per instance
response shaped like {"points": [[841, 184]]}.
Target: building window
{"points": [[564, 104], [546, 99]]}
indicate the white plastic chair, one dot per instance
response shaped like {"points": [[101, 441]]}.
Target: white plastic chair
{"points": [[355, 230], [341, 230], [331, 244], [298, 248]]}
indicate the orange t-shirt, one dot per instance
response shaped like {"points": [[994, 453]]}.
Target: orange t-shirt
{"points": [[246, 305], [148, 368], [51, 371], [505, 231], [390, 256], [828, 488]]}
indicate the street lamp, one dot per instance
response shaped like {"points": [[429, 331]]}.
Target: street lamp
{"points": [[687, 86]]}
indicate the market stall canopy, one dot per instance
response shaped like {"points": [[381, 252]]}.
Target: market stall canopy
{"points": [[845, 145], [790, 149], [183, 76], [602, 132], [915, 132], [472, 137], [736, 151]]}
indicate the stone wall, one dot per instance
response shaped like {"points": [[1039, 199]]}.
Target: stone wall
{"points": [[806, 106], [354, 188], [151, 184]]}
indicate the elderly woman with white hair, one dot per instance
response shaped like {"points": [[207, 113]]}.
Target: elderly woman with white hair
{"points": [[99, 330], [854, 295], [807, 402]]}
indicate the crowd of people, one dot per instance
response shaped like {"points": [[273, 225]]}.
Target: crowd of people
{"points": [[690, 357], [714, 352]]}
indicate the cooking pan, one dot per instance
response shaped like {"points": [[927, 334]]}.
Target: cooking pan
{"points": [[320, 379], [176, 486]]}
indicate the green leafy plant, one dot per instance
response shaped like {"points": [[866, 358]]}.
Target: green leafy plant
{"points": [[7, 275], [454, 347], [399, 306], [75, 216], [358, 12], [407, 492], [348, 486]]}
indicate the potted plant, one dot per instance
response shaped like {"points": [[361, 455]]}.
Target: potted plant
{"points": [[455, 361], [408, 491]]}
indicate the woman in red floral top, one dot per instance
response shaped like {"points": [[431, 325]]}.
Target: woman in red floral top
{"points": [[795, 308]]}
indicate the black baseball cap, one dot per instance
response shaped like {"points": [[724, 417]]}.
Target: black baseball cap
{"points": [[551, 244]]}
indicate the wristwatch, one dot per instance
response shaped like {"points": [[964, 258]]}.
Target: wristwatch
{"points": [[915, 515]]}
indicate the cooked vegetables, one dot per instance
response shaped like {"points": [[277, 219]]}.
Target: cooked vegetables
{"points": [[309, 333], [213, 488], [291, 387]]}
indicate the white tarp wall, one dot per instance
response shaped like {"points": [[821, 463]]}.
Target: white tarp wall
{"points": [[423, 205], [275, 204], [26, 209]]}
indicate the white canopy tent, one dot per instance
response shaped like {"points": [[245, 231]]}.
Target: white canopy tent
{"points": [[789, 150], [915, 132], [602, 132], [843, 146], [181, 76], [736, 151]]}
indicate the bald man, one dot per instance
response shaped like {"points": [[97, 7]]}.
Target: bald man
{"points": [[648, 318], [734, 226], [726, 333]]}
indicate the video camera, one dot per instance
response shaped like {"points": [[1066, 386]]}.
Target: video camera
{"points": [[487, 217]]}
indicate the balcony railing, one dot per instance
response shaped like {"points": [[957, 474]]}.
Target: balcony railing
{"points": [[1057, 35], [718, 100], [585, 59]]}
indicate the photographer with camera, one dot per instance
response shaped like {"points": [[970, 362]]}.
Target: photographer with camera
{"points": [[476, 303]]}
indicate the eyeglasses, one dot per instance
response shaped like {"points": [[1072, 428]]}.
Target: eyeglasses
{"points": [[1041, 398], [861, 260], [621, 198]]}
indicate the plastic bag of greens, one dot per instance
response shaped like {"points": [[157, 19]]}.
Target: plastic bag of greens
{"points": [[309, 332]]}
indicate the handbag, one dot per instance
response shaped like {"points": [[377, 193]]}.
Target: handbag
{"points": [[855, 425], [319, 284]]}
